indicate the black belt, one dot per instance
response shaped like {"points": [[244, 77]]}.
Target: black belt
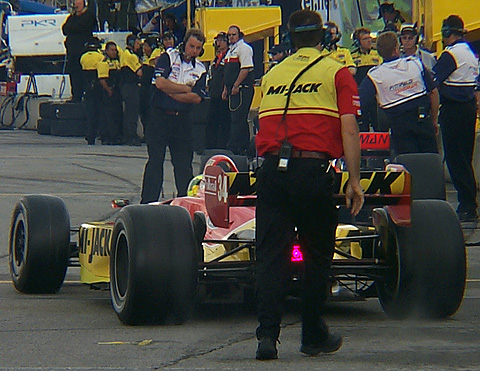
{"points": [[173, 113], [303, 154]]}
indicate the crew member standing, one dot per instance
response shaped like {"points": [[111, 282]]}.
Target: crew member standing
{"points": [[218, 123], [108, 72], [180, 81], [300, 131], [409, 39], [131, 69], [152, 49], [93, 96], [456, 71], [343, 55], [78, 29], [365, 57], [407, 94], [238, 89]]}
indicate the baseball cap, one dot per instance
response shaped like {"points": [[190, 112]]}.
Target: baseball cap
{"points": [[278, 48], [408, 28]]}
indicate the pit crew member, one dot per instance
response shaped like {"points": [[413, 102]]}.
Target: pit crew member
{"points": [[307, 117], [238, 89], [180, 83], [406, 92], [456, 71]]}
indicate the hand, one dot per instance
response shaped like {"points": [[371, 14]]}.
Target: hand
{"points": [[224, 93], [235, 90], [354, 197]]}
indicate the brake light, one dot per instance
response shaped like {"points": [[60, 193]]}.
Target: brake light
{"points": [[297, 255]]}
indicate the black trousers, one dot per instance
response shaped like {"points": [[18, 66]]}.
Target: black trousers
{"points": [[457, 121], [93, 101], [131, 100], [74, 69], [218, 124], [239, 106], [302, 197], [111, 128], [411, 135], [175, 132]]}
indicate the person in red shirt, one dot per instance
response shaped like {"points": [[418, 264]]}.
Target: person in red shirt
{"points": [[307, 118]]}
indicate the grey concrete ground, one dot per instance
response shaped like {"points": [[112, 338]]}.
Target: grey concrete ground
{"points": [[76, 329]]}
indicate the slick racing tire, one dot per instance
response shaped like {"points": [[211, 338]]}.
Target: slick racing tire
{"points": [[39, 244], [153, 265], [427, 263], [68, 128], [43, 126], [428, 178]]}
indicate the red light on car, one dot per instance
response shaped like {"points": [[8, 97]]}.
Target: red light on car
{"points": [[297, 255]]}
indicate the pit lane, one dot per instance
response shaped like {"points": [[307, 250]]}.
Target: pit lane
{"points": [[77, 329]]}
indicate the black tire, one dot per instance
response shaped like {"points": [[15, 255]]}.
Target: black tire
{"points": [[153, 265], [428, 178], [428, 264], [39, 244], [47, 110], [44, 126], [68, 128]]}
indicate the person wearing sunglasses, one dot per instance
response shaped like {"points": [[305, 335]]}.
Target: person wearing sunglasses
{"points": [[238, 89], [409, 38]]}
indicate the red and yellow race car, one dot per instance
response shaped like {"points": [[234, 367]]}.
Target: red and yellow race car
{"points": [[406, 248]]}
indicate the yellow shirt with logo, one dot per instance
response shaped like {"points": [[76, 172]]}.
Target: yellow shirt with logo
{"points": [[343, 56]]}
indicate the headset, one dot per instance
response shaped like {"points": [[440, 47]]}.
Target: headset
{"points": [[410, 28], [448, 30], [131, 40], [221, 35], [181, 46], [328, 40], [241, 35], [93, 44]]}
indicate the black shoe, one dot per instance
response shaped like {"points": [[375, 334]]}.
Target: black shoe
{"points": [[330, 345], [267, 349], [467, 216]]}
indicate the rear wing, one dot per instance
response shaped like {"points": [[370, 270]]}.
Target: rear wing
{"points": [[224, 190]]}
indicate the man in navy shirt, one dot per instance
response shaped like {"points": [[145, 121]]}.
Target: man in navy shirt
{"points": [[407, 93], [456, 71], [179, 79]]}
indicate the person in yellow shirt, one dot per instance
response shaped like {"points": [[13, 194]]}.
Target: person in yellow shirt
{"points": [[131, 71], [108, 73], [92, 96], [342, 55], [365, 57]]}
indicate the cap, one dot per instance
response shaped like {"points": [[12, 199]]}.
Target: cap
{"points": [[408, 27], [278, 48], [221, 35]]}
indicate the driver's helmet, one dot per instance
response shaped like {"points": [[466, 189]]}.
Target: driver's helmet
{"points": [[194, 186]]}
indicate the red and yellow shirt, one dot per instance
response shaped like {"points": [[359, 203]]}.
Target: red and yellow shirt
{"points": [[320, 96]]}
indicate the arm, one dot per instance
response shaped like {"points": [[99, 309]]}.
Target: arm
{"points": [[241, 76], [105, 86], [187, 97], [351, 148], [434, 106], [477, 97], [170, 87]]}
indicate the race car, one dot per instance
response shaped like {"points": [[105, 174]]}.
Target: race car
{"points": [[159, 258]]}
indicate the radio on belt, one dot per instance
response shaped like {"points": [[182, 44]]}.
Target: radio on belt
{"points": [[284, 156]]}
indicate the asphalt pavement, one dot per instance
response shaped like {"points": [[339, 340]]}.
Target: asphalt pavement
{"points": [[76, 329]]}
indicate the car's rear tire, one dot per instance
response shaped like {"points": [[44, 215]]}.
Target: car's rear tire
{"points": [[153, 265], [39, 244], [428, 178], [428, 264]]}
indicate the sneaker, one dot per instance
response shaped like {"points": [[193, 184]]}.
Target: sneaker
{"points": [[330, 345], [267, 349], [467, 216]]}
